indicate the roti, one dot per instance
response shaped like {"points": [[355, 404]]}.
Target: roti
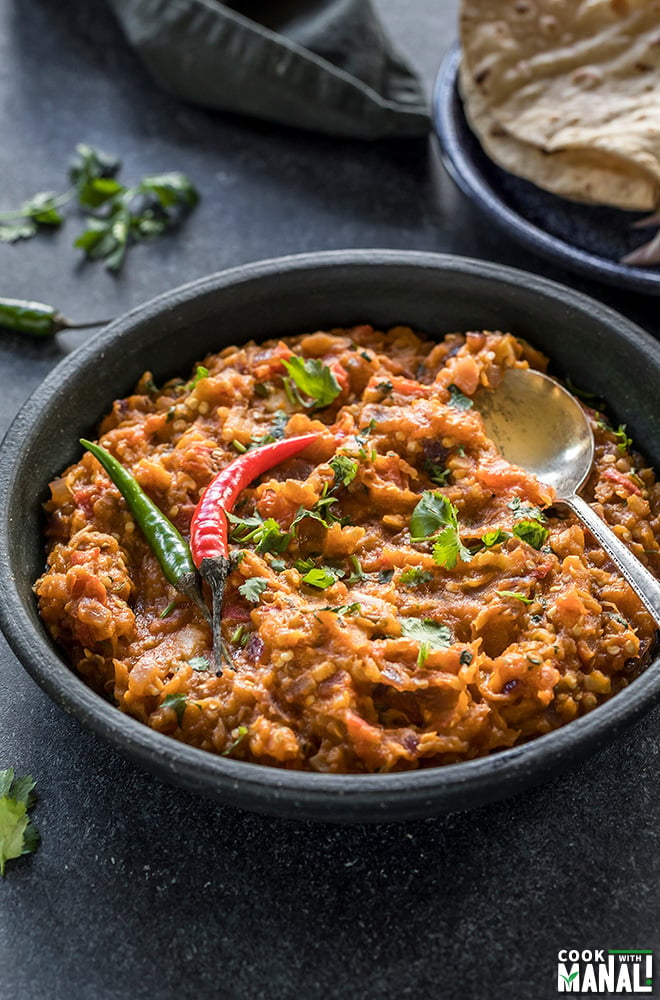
{"points": [[567, 94]]}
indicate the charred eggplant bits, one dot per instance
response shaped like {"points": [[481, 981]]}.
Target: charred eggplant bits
{"points": [[397, 595]]}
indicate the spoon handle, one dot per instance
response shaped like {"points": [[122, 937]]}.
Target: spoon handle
{"points": [[643, 583]]}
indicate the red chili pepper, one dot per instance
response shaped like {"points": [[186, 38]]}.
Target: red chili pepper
{"points": [[209, 528], [619, 479]]}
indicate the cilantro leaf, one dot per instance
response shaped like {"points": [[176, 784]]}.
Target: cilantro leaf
{"points": [[449, 547], [344, 468], [517, 595], [345, 609], [314, 379], [623, 441], [199, 664], [357, 573], [434, 511], [276, 431], [423, 655], [90, 163], [436, 473], [426, 630], [319, 512], [171, 191], [43, 209], [532, 532], [122, 215], [525, 510], [241, 733], [200, 373], [413, 576], [178, 702], [436, 518], [253, 588], [458, 399], [18, 835], [13, 232], [494, 537], [267, 535], [271, 537], [320, 577]]}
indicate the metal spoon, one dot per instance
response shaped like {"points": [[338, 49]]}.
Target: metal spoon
{"points": [[538, 425]]}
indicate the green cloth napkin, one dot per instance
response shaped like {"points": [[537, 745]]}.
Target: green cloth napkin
{"points": [[325, 65]]}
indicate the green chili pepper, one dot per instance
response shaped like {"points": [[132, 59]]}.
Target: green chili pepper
{"points": [[169, 547], [36, 318]]}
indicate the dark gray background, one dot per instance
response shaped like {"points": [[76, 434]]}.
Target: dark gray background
{"points": [[141, 890]]}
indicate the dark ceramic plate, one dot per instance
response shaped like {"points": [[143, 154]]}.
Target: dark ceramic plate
{"points": [[600, 350], [584, 238]]}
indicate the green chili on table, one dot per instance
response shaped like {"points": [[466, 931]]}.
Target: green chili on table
{"points": [[36, 318], [169, 547]]}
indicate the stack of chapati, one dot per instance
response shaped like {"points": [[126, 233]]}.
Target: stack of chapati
{"points": [[566, 93]]}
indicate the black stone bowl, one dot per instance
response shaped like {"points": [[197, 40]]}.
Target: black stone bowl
{"points": [[598, 348], [587, 239]]}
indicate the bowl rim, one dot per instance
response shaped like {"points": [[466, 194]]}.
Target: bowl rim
{"points": [[332, 797], [470, 179]]}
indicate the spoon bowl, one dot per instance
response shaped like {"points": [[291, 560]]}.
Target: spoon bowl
{"points": [[539, 426]]}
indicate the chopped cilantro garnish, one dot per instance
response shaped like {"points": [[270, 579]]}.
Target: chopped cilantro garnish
{"points": [[385, 387], [199, 663], [319, 512], [320, 577], [436, 473], [345, 609], [304, 565], [18, 835], [276, 432], [344, 468], [241, 733], [436, 518], [532, 532], [253, 588], [425, 630], [261, 389], [200, 373], [385, 575], [423, 655], [272, 538], [623, 441], [522, 509], [494, 537], [413, 576], [466, 658], [267, 535], [518, 596], [240, 635], [278, 565], [314, 379], [458, 399], [358, 572], [178, 702]]}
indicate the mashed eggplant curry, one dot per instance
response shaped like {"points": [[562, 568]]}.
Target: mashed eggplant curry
{"points": [[397, 595]]}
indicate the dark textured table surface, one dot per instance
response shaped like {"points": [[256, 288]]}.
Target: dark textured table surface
{"points": [[142, 890]]}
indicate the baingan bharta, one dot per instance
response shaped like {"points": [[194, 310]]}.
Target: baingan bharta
{"points": [[398, 595]]}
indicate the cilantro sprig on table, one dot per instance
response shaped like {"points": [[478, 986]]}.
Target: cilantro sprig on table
{"points": [[18, 835], [117, 215]]}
